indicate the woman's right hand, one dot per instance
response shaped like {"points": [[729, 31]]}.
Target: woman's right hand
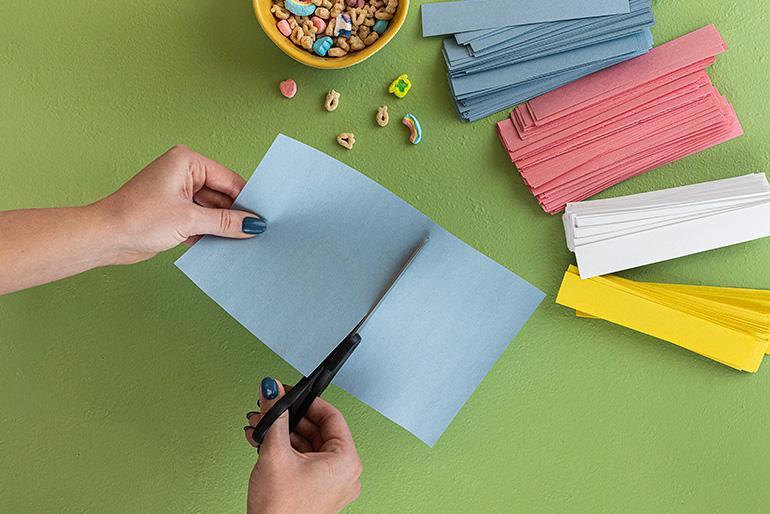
{"points": [[313, 469]]}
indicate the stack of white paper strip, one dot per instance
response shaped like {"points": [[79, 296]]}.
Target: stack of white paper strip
{"points": [[622, 233]]}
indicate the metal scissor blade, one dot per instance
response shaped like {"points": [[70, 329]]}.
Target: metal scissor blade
{"points": [[389, 287]]}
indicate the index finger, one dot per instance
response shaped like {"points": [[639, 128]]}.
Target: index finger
{"points": [[220, 178], [331, 424]]}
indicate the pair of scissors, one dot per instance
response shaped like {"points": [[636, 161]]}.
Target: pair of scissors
{"points": [[298, 400]]}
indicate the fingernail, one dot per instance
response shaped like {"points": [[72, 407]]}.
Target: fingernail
{"points": [[269, 388], [250, 414], [253, 225]]}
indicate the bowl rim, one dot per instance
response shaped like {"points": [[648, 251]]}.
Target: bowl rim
{"points": [[267, 22]]}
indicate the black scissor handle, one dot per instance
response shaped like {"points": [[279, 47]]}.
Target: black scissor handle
{"points": [[299, 398], [294, 396], [326, 373]]}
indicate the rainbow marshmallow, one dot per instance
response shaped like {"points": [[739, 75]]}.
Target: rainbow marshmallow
{"points": [[300, 7], [415, 131]]}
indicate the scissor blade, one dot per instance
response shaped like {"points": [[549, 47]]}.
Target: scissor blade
{"points": [[394, 279]]}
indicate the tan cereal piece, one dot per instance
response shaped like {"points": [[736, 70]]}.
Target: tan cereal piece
{"points": [[383, 15], [307, 42], [336, 52], [363, 31], [329, 29], [332, 99], [337, 8], [343, 43], [279, 12], [371, 38], [357, 18], [307, 27], [323, 13], [296, 35], [382, 116], [346, 140], [356, 43]]}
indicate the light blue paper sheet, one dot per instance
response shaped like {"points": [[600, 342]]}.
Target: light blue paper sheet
{"points": [[442, 18], [333, 241]]}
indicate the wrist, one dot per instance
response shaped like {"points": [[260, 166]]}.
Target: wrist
{"points": [[106, 234]]}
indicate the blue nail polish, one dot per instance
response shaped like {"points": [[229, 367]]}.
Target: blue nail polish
{"points": [[253, 225], [269, 388]]}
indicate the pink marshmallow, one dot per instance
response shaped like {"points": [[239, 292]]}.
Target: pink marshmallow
{"points": [[319, 24], [284, 27], [288, 88]]}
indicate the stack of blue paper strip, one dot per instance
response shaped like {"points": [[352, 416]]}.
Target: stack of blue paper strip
{"points": [[518, 51]]}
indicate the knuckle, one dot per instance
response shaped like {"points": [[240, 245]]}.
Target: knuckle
{"points": [[354, 468], [273, 456], [358, 468], [225, 221], [356, 490], [179, 149]]}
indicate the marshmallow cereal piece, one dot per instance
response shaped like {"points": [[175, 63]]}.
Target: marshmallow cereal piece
{"points": [[400, 85], [288, 88], [415, 131], [284, 28], [300, 7]]}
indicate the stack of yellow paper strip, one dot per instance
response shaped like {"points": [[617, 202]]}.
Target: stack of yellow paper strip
{"points": [[729, 325]]}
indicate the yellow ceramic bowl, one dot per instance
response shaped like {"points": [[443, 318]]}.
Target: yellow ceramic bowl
{"points": [[268, 23]]}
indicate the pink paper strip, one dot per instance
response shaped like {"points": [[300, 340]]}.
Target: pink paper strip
{"points": [[660, 61]]}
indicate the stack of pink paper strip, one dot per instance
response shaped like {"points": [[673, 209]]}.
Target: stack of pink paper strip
{"points": [[582, 138]]}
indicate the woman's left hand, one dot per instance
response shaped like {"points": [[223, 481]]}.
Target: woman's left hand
{"points": [[175, 199]]}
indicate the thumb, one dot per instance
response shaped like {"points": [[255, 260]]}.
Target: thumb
{"points": [[277, 438], [226, 223]]}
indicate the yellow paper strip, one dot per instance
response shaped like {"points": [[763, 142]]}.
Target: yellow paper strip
{"points": [[742, 310], [703, 326]]}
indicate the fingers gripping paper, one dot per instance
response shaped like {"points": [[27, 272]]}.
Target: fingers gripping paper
{"points": [[334, 239]]}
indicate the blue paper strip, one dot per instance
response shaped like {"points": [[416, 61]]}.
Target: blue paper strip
{"points": [[500, 78], [480, 37], [480, 107], [333, 241], [443, 18]]}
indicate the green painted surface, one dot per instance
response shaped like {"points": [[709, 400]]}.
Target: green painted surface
{"points": [[123, 390]]}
